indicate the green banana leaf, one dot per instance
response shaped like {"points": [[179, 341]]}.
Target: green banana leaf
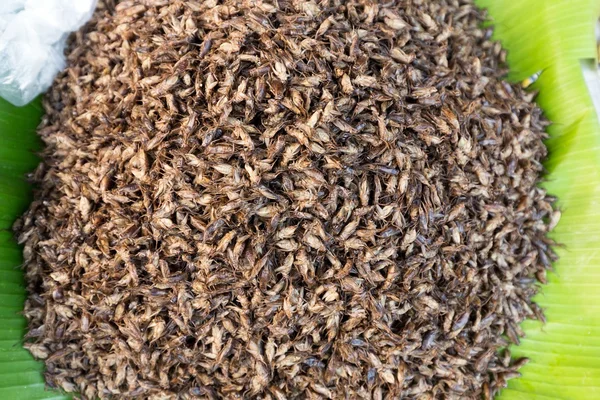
{"points": [[557, 37], [553, 36], [20, 375]]}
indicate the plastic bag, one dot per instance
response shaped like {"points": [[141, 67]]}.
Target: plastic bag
{"points": [[33, 35]]}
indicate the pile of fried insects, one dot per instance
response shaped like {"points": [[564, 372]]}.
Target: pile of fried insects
{"points": [[285, 199]]}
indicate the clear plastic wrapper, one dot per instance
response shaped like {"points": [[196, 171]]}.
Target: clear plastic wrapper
{"points": [[33, 35]]}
